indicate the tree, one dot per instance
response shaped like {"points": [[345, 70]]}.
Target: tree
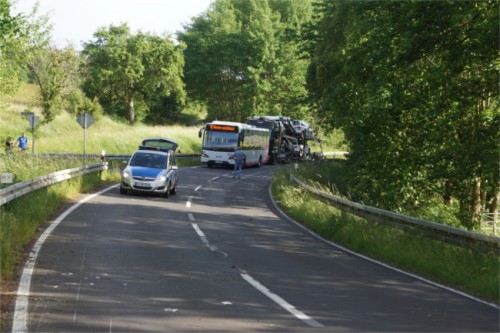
{"points": [[414, 86], [243, 58], [123, 70], [10, 64], [53, 70]]}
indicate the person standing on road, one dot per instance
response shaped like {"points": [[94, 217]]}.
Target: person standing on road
{"points": [[22, 143], [239, 159]]}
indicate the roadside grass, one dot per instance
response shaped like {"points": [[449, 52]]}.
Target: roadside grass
{"points": [[20, 219], [473, 272], [64, 134]]}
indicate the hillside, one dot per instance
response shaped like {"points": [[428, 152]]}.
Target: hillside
{"points": [[64, 134]]}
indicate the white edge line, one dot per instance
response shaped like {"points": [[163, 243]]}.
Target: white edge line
{"points": [[188, 202], [20, 318], [312, 233], [281, 302]]}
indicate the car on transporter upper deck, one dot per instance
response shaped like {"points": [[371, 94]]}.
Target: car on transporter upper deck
{"points": [[152, 169]]}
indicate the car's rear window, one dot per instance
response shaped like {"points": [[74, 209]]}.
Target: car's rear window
{"points": [[149, 160]]}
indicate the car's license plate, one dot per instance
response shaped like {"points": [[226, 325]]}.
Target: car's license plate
{"points": [[142, 184], [218, 162]]}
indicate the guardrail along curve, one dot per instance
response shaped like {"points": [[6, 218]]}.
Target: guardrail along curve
{"points": [[464, 238], [12, 192]]}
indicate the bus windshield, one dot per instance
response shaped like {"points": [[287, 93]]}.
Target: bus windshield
{"points": [[217, 139]]}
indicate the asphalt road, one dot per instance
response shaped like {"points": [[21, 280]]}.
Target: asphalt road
{"points": [[218, 257]]}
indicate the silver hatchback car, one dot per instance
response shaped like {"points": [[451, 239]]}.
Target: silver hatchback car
{"points": [[152, 169]]}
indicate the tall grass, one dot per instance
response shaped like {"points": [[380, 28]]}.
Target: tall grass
{"points": [[468, 270], [21, 218], [64, 134]]}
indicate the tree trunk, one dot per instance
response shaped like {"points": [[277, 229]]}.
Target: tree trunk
{"points": [[493, 208], [447, 197], [475, 202], [131, 111]]}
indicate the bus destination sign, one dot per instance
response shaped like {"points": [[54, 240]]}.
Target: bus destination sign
{"points": [[224, 128]]}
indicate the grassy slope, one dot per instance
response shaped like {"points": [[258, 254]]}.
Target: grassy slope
{"points": [[64, 134]]}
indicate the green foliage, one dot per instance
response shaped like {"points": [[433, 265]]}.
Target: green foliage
{"points": [[243, 58], [64, 134], [473, 272], [134, 75], [78, 104], [10, 65], [21, 218], [414, 85]]}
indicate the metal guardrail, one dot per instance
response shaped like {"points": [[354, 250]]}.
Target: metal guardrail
{"points": [[12, 192], [464, 238], [108, 156]]}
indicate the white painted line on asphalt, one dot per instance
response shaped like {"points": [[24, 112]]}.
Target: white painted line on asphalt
{"points": [[20, 321], [201, 234], [281, 302], [191, 217], [188, 202], [197, 188], [213, 179], [204, 239]]}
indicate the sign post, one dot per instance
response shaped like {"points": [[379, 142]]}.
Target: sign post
{"points": [[32, 120], [85, 120]]}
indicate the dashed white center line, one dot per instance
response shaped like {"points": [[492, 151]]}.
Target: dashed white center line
{"points": [[188, 202], [204, 239], [281, 302]]}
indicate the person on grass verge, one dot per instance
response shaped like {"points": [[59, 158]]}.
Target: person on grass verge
{"points": [[22, 143]]}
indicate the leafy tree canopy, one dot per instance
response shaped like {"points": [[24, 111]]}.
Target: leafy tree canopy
{"points": [[133, 73], [10, 65], [414, 84], [243, 58]]}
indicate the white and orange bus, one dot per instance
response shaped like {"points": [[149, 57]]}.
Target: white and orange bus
{"points": [[221, 138]]}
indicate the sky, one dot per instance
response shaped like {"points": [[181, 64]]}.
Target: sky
{"points": [[76, 21]]}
